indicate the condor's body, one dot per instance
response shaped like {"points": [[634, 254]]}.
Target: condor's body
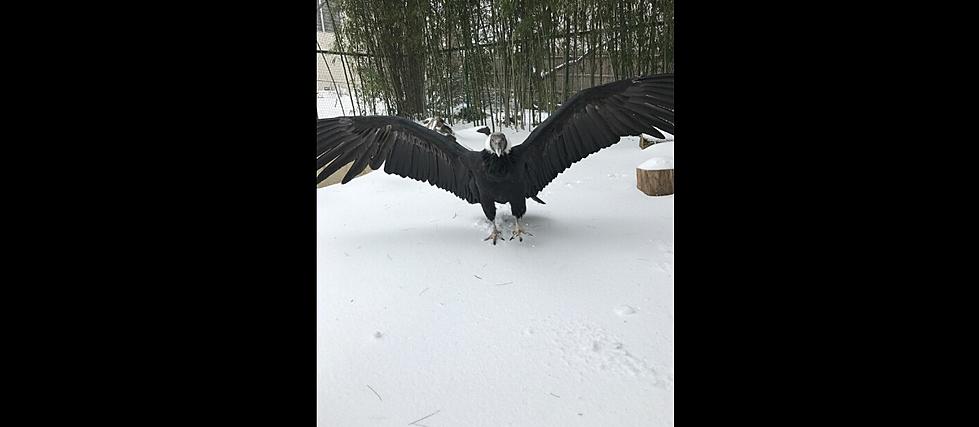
{"points": [[500, 179]]}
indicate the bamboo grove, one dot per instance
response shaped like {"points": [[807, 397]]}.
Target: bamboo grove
{"points": [[488, 60]]}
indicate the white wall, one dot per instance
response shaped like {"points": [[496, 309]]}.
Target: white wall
{"points": [[325, 67]]}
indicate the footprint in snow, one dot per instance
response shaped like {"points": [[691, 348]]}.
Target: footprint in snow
{"points": [[625, 310]]}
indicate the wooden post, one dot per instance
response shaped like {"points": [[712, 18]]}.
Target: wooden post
{"points": [[655, 177]]}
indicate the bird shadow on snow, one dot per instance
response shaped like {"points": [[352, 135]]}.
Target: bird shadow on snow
{"points": [[530, 222]]}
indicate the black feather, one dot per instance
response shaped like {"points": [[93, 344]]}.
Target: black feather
{"points": [[363, 157], [655, 132]]}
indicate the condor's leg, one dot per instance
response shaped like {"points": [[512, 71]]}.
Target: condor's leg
{"points": [[489, 209], [518, 208]]}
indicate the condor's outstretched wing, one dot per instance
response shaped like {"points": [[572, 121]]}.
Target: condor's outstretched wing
{"points": [[404, 147], [593, 119]]}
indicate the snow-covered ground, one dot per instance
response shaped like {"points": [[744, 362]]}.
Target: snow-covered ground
{"points": [[417, 315], [328, 104]]}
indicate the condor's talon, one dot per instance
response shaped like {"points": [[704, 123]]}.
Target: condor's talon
{"points": [[495, 235], [519, 235], [518, 232]]}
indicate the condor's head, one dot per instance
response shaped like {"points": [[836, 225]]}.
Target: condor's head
{"points": [[497, 144]]}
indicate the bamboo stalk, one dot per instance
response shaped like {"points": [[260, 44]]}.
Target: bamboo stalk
{"points": [[500, 56], [343, 62]]}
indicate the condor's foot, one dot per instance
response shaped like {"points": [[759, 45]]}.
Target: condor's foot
{"points": [[495, 235], [518, 231]]}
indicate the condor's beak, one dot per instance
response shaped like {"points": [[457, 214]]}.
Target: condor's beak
{"points": [[498, 150]]}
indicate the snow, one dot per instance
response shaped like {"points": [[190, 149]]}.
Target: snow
{"points": [[419, 317], [328, 104], [669, 136], [657, 163], [662, 153]]}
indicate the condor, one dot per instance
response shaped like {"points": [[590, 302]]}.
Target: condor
{"points": [[589, 121]]}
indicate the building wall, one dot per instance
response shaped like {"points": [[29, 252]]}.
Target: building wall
{"points": [[326, 66]]}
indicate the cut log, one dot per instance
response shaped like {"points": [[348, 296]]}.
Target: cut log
{"points": [[655, 182], [338, 175], [645, 143], [655, 176]]}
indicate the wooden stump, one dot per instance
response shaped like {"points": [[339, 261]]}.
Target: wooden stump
{"points": [[655, 182], [645, 143]]}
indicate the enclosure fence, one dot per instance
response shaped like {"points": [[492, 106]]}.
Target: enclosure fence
{"points": [[490, 62]]}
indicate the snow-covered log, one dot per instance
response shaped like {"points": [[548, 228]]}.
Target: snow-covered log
{"points": [[655, 176], [646, 141]]}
